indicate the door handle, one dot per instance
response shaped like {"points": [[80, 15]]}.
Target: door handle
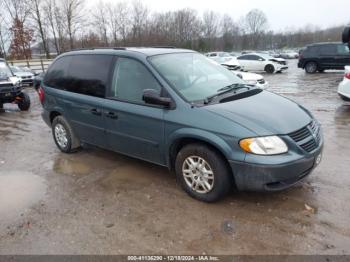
{"points": [[96, 112], [112, 115]]}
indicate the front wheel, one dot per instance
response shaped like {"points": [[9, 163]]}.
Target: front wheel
{"points": [[203, 173], [270, 69], [24, 102]]}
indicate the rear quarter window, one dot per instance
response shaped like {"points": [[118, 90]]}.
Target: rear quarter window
{"points": [[56, 76], [88, 74], [82, 74]]}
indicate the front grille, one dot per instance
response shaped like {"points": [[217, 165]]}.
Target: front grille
{"points": [[261, 81], [308, 137]]}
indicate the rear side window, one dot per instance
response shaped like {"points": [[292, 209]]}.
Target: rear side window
{"points": [[327, 50], [88, 74], [245, 57], [56, 76]]}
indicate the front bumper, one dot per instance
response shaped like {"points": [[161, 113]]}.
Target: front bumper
{"points": [[344, 88], [274, 177], [7, 95]]}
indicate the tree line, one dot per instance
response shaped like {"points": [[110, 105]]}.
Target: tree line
{"points": [[57, 26]]}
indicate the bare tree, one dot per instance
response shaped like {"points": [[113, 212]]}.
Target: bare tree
{"points": [[73, 15], [139, 16], [17, 9], [256, 24], [119, 21], [100, 21], [210, 27], [40, 24]]}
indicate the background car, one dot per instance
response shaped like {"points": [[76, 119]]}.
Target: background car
{"points": [[344, 86], [262, 62], [27, 69], [27, 78], [252, 79], [224, 59], [11, 88], [323, 56]]}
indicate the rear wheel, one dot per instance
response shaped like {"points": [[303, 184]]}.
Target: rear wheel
{"points": [[270, 69], [1, 107], [311, 67], [63, 135], [24, 102], [203, 173]]}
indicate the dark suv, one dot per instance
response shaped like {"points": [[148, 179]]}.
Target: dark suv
{"points": [[176, 108], [11, 88], [323, 56]]}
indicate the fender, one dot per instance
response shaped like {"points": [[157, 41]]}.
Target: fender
{"points": [[208, 137]]}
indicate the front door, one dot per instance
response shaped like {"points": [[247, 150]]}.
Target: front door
{"points": [[134, 128]]}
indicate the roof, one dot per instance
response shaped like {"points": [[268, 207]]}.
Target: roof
{"points": [[325, 43], [145, 51]]}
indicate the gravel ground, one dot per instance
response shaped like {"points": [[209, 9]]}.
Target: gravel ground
{"points": [[99, 202]]}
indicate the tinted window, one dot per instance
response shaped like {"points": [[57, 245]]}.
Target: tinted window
{"points": [[88, 74], [130, 78], [255, 57], [327, 49], [244, 57], [56, 76], [212, 54]]}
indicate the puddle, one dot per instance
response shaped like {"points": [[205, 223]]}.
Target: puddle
{"points": [[71, 167], [18, 192]]}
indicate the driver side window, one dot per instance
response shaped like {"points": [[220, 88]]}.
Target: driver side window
{"points": [[130, 79]]}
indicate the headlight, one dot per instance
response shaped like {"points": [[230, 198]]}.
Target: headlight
{"points": [[269, 145], [252, 82]]}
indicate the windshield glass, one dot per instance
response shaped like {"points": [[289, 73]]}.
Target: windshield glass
{"points": [[193, 75], [15, 69], [5, 71]]}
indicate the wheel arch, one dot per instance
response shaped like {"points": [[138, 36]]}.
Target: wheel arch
{"points": [[182, 138]]}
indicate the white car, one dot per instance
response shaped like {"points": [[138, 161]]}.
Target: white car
{"points": [[27, 78], [224, 59], [262, 62], [252, 79], [344, 86]]}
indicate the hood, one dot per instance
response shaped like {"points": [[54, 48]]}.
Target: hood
{"points": [[278, 59], [20, 74], [265, 113], [231, 62]]}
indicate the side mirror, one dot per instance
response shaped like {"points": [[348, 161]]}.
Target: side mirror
{"points": [[151, 96]]}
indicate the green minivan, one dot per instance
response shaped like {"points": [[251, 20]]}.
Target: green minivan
{"points": [[176, 108]]}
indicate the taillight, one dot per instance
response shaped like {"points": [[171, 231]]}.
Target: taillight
{"points": [[41, 94], [347, 75]]}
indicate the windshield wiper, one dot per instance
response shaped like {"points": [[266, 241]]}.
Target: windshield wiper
{"points": [[226, 89]]}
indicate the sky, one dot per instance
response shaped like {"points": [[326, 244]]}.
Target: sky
{"points": [[281, 14]]}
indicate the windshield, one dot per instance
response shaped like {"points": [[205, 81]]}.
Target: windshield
{"points": [[16, 69], [5, 71], [193, 75]]}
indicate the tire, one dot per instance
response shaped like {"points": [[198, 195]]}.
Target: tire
{"points": [[219, 181], [63, 135], [2, 108], [270, 69], [311, 67], [24, 103], [346, 35]]}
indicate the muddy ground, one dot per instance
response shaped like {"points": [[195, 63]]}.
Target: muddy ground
{"points": [[99, 202]]}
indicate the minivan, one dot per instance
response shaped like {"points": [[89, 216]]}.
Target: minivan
{"points": [[323, 56], [177, 108]]}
